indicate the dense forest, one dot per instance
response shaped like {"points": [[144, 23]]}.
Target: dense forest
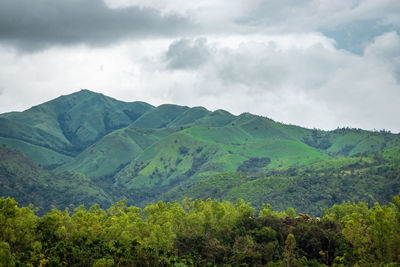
{"points": [[200, 233]]}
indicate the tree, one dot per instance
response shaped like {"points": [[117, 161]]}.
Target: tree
{"points": [[290, 246], [6, 258]]}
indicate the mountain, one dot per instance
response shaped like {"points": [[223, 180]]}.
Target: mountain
{"points": [[371, 177], [23, 179], [69, 124], [144, 153]]}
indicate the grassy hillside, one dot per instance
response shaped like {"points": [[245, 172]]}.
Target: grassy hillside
{"points": [[349, 142], [42, 155], [160, 117], [145, 153], [197, 152], [18, 131], [114, 151], [24, 180], [371, 177], [190, 116], [75, 121]]}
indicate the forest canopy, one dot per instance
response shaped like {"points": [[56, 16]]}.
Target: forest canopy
{"points": [[198, 233]]}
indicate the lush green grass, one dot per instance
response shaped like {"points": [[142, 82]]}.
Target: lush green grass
{"points": [[76, 124], [198, 152], [15, 130], [338, 163], [309, 188], [217, 118], [114, 151], [75, 121], [145, 153], [351, 142], [160, 117], [190, 116], [392, 153], [45, 157]]}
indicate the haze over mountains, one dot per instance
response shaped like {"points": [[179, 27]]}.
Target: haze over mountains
{"points": [[88, 148]]}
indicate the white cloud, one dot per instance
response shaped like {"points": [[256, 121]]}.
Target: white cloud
{"points": [[274, 16], [385, 52], [264, 57], [315, 86], [30, 79], [385, 46], [186, 54]]}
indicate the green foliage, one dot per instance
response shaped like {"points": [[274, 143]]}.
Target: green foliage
{"points": [[373, 233], [24, 180], [318, 139], [6, 258], [199, 233], [253, 165]]}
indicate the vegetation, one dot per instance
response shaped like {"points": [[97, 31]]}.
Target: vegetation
{"points": [[200, 233], [370, 177], [87, 148], [24, 180]]}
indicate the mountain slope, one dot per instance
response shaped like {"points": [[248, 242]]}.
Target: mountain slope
{"points": [[114, 151], [15, 130], [42, 155], [75, 121], [145, 153], [160, 116], [24, 180], [372, 177]]}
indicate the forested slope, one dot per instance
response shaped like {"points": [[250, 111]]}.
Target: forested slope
{"points": [[23, 179]]}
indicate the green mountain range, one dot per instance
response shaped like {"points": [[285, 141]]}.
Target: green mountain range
{"points": [[87, 148]]}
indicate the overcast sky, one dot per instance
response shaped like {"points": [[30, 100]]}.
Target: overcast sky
{"points": [[314, 63]]}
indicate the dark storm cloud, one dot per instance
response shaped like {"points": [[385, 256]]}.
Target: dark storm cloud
{"points": [[186, 54], [33, 25]]}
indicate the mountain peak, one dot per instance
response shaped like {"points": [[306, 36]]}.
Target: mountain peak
{"points": [[84, 91]]}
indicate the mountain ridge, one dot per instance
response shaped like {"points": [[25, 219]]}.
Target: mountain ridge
{"points": [[146, 153]]}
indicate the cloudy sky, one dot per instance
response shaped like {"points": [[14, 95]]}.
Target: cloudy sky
{"points": [[315, 63]]}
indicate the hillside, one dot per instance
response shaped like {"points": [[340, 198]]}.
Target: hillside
{"points": [[144, 153], [71, 123], [23, 179], [369, 177]]}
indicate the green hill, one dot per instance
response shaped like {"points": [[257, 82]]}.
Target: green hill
{"points": [[42, 155], [145, 153], [159, 117], [371, 177], [114, 151], [23, 179], [74, 121]]}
